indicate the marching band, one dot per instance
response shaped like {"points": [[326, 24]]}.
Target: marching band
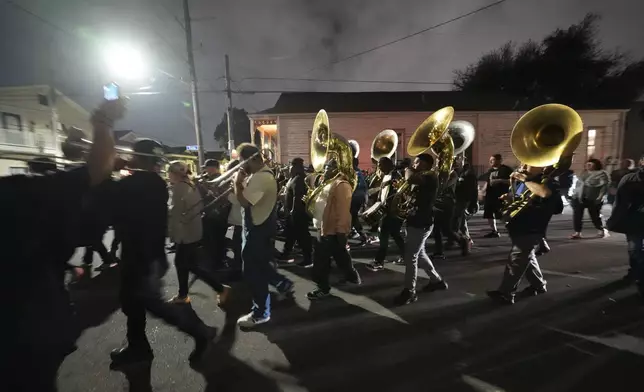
{"points": [[432, 197]]}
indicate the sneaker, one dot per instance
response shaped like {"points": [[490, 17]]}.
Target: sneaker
{"points": [[376, 266], [285, 290], [317, 294], [603, 234], [435, 286], [532, 291], [399, 261], [500, 297], [492, 234], [355, 279], [223, 296], [285, 258], [128, 355], [250, 321], [305, 264], [179, 300], [575, 236], [406, 297]]}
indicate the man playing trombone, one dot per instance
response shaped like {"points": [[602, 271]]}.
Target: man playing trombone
{"points": [[256, 191]]}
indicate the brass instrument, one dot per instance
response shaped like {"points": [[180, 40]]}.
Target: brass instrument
{"points": [[384, 144], [325, 146], [355, 146], [546, 135], [224, 185], [430, 135], [462, 133], [75, 149]]}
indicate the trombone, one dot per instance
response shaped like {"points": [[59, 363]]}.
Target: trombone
{"points": [[225, 179]]}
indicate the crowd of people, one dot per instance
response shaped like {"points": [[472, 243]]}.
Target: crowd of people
{"points": [[53, 213]]}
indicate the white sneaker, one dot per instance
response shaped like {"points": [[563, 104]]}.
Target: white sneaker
{"points": [[249, 321]]}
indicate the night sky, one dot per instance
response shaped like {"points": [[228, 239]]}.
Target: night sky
{"points": [[273, 38]]}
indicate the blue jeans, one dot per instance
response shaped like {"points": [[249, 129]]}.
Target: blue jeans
{"points": [[257, 253], [636, 255]]}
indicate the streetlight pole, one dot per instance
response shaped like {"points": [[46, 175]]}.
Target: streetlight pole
{"points": [[193, 81]]}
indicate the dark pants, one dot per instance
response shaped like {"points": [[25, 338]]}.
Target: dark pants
{"points": [[257, 254], [116, 241], [214, 238], [356, 205], [327, 247], [636, 256], [140, 292], [443, 226], [186, 260], [522, 263], [99, 248], [594, 210], [297, 229], [459, 219], [389, 227], [237, 245]]}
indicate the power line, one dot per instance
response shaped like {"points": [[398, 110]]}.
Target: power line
{"points": [[345, 80], [175, 17], [40, 18], [407, 36]]}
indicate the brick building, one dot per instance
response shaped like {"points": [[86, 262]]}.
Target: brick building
{"points": [[286, 128]]}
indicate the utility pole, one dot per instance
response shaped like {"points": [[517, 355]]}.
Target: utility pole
{"points": [[231, 141], [193, 81]]}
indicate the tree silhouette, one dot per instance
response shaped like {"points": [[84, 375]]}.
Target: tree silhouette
{"points": [[568, 66], [241, 128]]}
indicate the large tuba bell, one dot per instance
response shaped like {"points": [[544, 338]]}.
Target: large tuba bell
{"points": [[325, 146], [384, 144], [355, 147], [462, 133], [430, 135], [545, 136]]}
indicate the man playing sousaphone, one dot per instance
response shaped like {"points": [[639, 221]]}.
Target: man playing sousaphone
{"points": [[526, 231], [544, 136]]}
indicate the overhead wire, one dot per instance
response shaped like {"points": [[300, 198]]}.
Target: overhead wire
{"points": [[345, 80], [395, 41]]}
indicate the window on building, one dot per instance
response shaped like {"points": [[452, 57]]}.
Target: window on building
{"points": [[401, 152], [11, 122], [43, 100], [590, 148]]}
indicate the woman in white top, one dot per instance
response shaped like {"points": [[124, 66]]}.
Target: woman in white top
{"points": [[185, 230]]}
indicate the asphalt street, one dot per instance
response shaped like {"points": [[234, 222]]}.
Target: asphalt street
{"points": [[585, 334]]}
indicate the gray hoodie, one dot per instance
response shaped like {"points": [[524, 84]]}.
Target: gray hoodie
{"points": [[592, 185]]}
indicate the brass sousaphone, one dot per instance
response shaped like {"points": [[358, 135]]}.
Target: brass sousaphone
{"points": [[545, 136], [325, 146], [431, 135], [384, 145]]}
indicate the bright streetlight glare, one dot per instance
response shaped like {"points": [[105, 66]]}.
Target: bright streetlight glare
{"points": [[125, 62]]}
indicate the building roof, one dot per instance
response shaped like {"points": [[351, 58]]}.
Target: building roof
{"points": [[397, 101]]}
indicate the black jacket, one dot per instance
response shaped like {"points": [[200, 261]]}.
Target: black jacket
{"points": [[295, 191], [628, 211]]}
